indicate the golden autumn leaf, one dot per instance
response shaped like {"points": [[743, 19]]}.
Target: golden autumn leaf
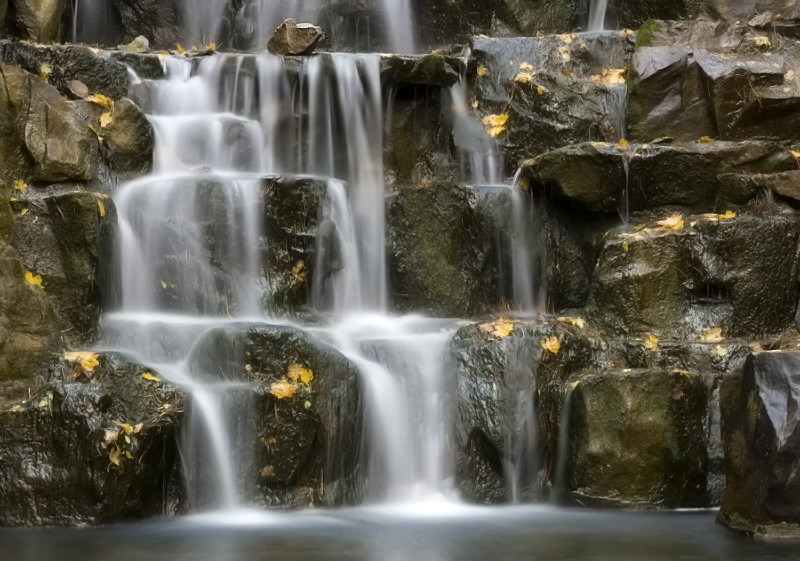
{"points": [[684, 373], [502, 328], [704, 139], [577, 322], [23, 212], [673, 222], [307, 405], [267, 471], [296, 372], [651, 344], [126, 427], [105, 120], [494, 132], [163, 52], [795, 153], [762, 41], [86, 360], [180, 48], [540, 90], [20, 185], [212, 47], [282, 389], [495, 120], [299, 271], [625, 246], [115, 455], [35, 280], [623, 144], [551, 344], [728, 214], [609, 76], [100, 99], [45, 70], [526, 67], [150, 378], [523, 78], [720, 350], [482, 70], [711, 335]]}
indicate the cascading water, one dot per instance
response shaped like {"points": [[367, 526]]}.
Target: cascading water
{"points": [[597, 15]]}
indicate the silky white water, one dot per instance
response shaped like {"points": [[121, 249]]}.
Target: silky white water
{"points": [[597, 15]]}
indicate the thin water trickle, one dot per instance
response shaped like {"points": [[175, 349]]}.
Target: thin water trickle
{"points": [[597, 15], [560, 483]]}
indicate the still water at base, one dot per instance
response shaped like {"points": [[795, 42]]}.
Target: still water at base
{"points": [[424, 532]]}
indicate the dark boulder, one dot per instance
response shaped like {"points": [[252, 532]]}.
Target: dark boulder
{"points": [[35, 21], [761, 438]]}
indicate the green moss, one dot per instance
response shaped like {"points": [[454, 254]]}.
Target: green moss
{"points": [[646, 33]]}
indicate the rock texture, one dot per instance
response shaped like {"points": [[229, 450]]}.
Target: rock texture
{"points": [[292, 38]]}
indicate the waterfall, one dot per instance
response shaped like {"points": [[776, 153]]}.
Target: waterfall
{"points": [[597, 15], [481, 160]]}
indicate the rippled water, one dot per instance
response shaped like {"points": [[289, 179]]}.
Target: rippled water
{"points": [[425, 533]]}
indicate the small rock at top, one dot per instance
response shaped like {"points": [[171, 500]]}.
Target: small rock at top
{"points": [[138, 45], [292, 38]]}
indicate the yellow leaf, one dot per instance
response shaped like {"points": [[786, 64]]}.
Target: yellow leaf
{"points": [[711, 335], [181, 50], [35, 280], [551, 344], [525, 66], [625, 246], [482, 70], [652, 343], [575, 384], [114, 455], [673, 222], [267, 471], [45, 70], [102, 207], [101, 99], [623, 144], [138, 428], [128, 454], [684, 373], [307, 405], [566, 38], [500, 328], [540, 90], [795, 153], [105, 120], [20, 185], [124, 426], [719, 350], [705, 139], [87, 361], [609, 76], [728, 214], [296, 372], [567, 72], [494, 132], [163, 52], [150, 377], [299, 271], [523, 78], [212, 46], [762, 41], [577, 322], [495, 120], [163, 284], [23, 212], [282, 389]]}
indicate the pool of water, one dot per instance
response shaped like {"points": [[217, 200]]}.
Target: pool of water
{"points": [[420, 533]]}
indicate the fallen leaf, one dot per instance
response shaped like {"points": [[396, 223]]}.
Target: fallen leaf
{"points": [[307, 405], [20, 185], [138, 428], [102, 208], [651, 344], [625, 246], [526, 67], [684, 373], [86, 360], [728, 214], [267, 471], [163, 284], [623, 144], [551, 344], [181, 50], [704, 139], [482, 70], [577, 322], [125, 427], [609, 76], [523, 78], [148, 376], [299, 271], [494, 132], [762, 41], [114, 456], [35, 280], [567, 72], [495, 120], [540, 89], [45, 70], [282, 389], [212, 47], [711, 335], [297, 372], [23, 212], [673, 222], [101, 99], [105, 120], [720, 350]]}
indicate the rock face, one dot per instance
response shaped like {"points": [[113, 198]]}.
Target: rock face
{"points": [[292, 38], [104, 447], [36, 20], [761, 440]]}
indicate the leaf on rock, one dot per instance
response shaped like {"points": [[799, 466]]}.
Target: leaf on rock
{"points": [[609, 76], [720, 350], [20, 185], [673, 222], [35, 280], [711, 335], [551, 344], [494, 132], [101, 99], [149, 377], [684, 373], [267, 471], [526, 67], [523, 78], [651, 344], [125, 427], [495, 120], [180, 48], [115, 455], [87, 361], [45, 70], [283, 389], [704, 139], [299, 271], [482, 70], [762, 41], [297, 372], [105, 119]]}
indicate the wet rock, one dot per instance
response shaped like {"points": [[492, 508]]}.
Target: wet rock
{"points": [[63, 237], [91, 447], [761, 440], [426, 70], [78, 89], [138, 45], [292, 38], [157, 20], [128, 140], [545, 85], [100, 73], [35, 20], [712, 272], [685, 174], [507, 408], [664, 413], [296, 440], [147, 66], [56, 142], [439, 251]]}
